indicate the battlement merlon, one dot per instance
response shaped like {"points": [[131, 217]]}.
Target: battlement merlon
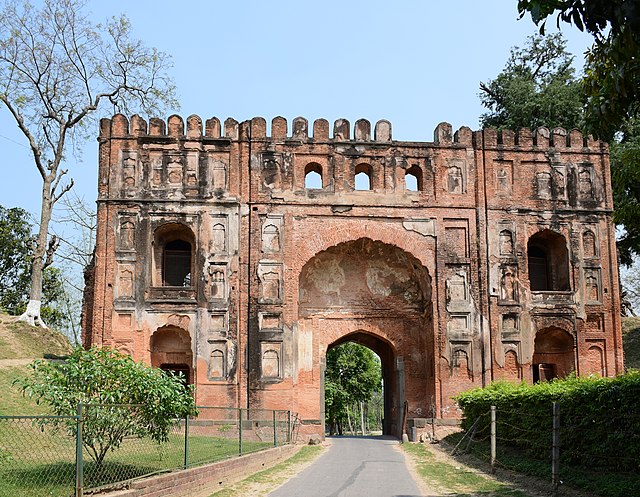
{"points": [[174, 127]]}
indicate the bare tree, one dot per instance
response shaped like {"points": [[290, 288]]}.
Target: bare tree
{"points": [[56, 69], [73, 256]]}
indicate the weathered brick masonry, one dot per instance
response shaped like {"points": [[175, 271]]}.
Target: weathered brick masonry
{"points": [[475, 257]]}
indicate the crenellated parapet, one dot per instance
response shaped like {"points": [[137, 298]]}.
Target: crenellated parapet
{"points": [[200, 159], [540, 138], [175, 127]]}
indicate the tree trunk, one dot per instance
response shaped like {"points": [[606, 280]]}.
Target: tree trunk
{"points": [[32, 314]]}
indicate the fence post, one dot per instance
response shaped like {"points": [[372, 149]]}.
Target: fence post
{"points": [[275, 439], [555, 450], [186, 441], [289, 434], [79, 462], [493, 439], [240, 431]]}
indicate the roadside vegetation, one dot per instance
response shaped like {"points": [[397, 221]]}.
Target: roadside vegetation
{"points": [[447, 478], [631, 342], [597, 427]]}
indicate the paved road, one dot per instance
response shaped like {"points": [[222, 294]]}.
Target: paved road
{"points": [[354, 467]]}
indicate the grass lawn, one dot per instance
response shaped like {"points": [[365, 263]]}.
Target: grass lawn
{"points": [[38, 462], [13, 402], [19, 340]]}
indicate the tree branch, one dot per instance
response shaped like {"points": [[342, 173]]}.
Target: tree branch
{"points": [[64, 190], [51, 249], [35, 149]]}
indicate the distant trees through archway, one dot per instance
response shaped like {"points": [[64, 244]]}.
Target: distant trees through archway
{"points": [[354, 399]]}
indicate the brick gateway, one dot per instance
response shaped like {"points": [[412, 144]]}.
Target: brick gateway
{"points": [[239, 257]]}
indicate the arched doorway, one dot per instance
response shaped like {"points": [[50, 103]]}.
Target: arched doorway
{"points": [[171, 351], [378, 295], [553, 355], [390, 379]]}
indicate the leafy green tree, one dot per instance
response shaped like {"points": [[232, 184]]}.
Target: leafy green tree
{"points": [[612, 75], [611, 88], [16, 253], [536, 88], [57, 69], [101, 378], [352, 376], [625, 179]]}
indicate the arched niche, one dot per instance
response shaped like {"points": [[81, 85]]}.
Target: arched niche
{"points": [[171, 351], [380, 296], [554, 354]]}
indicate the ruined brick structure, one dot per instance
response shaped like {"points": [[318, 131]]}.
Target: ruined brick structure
{"points": [[479, 256]]}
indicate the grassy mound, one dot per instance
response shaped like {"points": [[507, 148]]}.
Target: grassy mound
{"points": [[18, 340], [19, 345]]}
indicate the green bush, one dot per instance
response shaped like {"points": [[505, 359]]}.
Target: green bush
{"points": [[121, 397], [599, 418]]}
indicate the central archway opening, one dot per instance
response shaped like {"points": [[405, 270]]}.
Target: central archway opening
{"points": [[359, 385], [377, 295]]}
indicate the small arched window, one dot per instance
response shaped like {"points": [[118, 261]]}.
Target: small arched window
{"points": [[176, 263], [413, 179], [313, 177], [363, 177], [173, 255], [548, 262]]}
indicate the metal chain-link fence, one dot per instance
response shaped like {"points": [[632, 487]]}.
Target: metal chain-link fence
{"points": [[100, 446], [546, 445]]}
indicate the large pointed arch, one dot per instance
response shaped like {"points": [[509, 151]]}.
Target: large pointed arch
{"points": [[380, 296]]}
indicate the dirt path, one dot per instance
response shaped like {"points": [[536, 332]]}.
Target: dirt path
{"points": [[254, 486], [10, 363]]}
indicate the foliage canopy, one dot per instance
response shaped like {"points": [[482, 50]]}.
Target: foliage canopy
{"points": [[103, 379], [537, 87], [16, 252], [352, 375], [611, 81]]}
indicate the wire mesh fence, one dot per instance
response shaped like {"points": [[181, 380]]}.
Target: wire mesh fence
{"points": [[37, 459], [101, 446], [562, 448]]}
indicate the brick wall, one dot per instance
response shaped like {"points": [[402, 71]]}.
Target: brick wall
{"points": [[496, 261]]}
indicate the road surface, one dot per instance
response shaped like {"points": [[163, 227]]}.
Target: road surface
{"points": [[355, 467]]}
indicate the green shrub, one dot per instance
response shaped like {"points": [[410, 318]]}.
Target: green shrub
{"points": [[121, 397], [599, 418]]}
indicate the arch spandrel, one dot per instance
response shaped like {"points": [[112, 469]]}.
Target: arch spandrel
{"points": [[365, 278], [314, 238]]}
